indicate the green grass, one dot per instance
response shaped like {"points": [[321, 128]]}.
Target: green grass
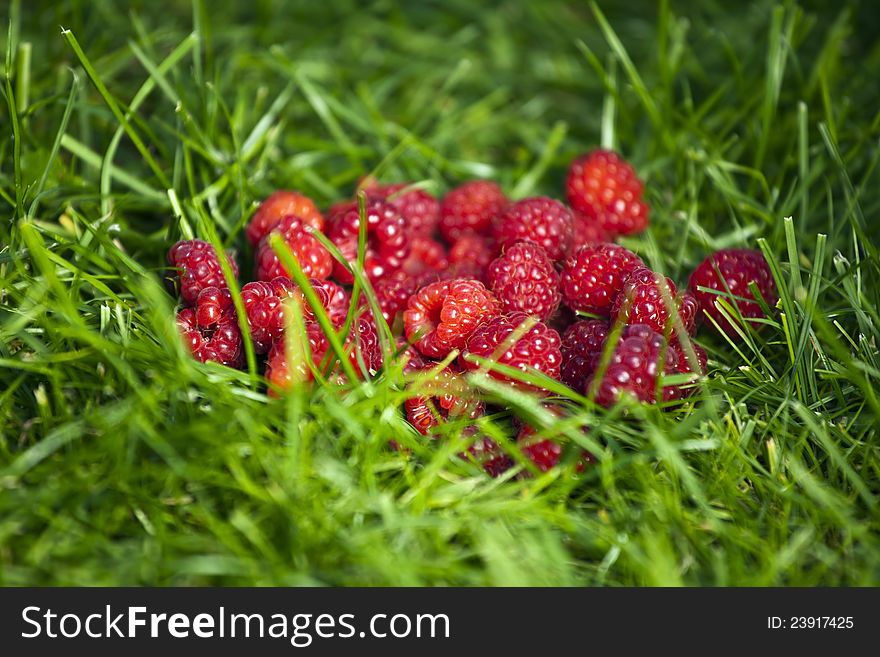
{"points": [[122, 461]]}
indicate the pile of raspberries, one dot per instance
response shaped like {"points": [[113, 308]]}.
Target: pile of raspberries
{"points": [[477, 281]]}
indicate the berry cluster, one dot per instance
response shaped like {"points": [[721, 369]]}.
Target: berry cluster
{"points": [[525, 291]]}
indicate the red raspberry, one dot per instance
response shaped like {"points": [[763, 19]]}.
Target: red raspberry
{"points": [[313, 258], [420, 210], [387, 240], [488, 454], [442, 316], [210, 328], [264, 306], [364, 345], [593, 276], [393, 293], [425, 255], [683, 365], [606, 189], [588, 231], [541, 220], [580, 344], [538, 349], [197, 267], [733, 270], [641, 301], [279, 205], [545, 453], [638, 358], [523, 278], [339, 301], [470, 208], [445, 397], [470, 255]]}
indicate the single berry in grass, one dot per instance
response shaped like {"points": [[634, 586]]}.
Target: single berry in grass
{"points": [[537, 349], [581, 342], [541, 220], [314, 259], [210, 328], [470, 208], [593, 276], [523, 278], [440, 317], [282, 204], [651, 299], [387, 240], [604, 187], [728, 274], [196, 267]]}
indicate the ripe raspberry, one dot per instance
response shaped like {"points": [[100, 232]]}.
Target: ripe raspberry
{"points": [[387, 240], [593, 276], [546, 453], [314, 259], [538, 349], [606, 189], [363, 345], [197, 268], [641, 301], [634, 366], [487, 453], [443, 398], [210, 328], [523, 278], [425, 255], [264, 306], [339, 301], [470, 207], [683, 365], [580, 344], [442, 316], [420, 210], [279, 205], [588, 231], [470, 255], [393, 293], [733, 270], [541, 220]]}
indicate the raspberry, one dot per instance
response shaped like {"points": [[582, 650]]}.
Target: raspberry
{"points": [[362, 345], [279, 205], [580, 343], [338, 301], [393, 293], [425, 255], [683, 365], [538, 349], [488, 454], [470, 255], [593, 276], [634, 366], [313, 258], [545, 453], [420, 210], [470, 207], [387, 240], [197, 268], [641, 301], [606, 189], [588, 231], [733, 270], [523, 278], [442, 316], [264, 306], [541, 220], [442, 398], [210, 328]]}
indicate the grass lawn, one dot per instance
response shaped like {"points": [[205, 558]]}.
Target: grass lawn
{"points": [[124, 461]]}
